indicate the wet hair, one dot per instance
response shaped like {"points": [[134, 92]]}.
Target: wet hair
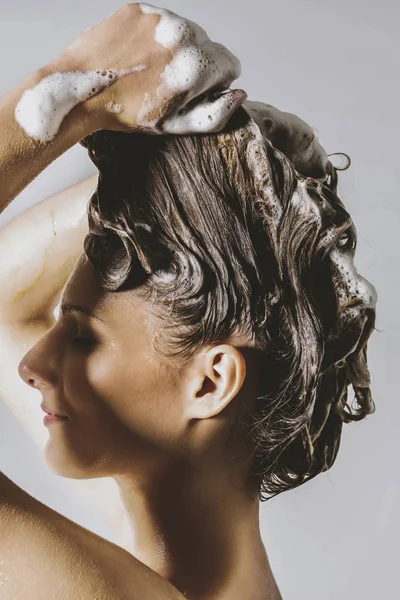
{"points": [[226, 238]]}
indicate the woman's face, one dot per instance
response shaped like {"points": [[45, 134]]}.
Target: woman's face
{"points": [[125, 403]]}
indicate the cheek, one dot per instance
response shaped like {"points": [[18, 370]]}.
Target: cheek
{"points": [[149, 403], [135, 394], [83, 379]]}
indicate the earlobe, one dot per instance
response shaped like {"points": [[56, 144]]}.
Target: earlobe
{"points": [[222, 372]]}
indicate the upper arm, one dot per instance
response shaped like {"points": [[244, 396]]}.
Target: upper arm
{"points": [[24, 403], [45, 556]]}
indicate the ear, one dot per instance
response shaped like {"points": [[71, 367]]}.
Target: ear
{"points": [[217, 376]]}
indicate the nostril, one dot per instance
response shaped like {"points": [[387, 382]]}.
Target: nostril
{"points": [[33, 383], [25, 373], [35, 378]]}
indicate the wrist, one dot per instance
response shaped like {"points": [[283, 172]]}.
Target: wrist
{"points": [[23, 155], [89, 114]]}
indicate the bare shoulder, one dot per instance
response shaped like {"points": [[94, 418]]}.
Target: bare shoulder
{"points": [[45, 556]]}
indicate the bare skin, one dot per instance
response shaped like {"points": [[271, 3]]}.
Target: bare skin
{"points": [[194, 513]]}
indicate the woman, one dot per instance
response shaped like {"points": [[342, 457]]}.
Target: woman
{"points": [[226, 323]]}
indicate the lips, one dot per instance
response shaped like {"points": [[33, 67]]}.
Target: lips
{"points": [[53, 412]]}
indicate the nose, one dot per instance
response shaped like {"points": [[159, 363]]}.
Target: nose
{"points": [[25, 372], [35, 368]]}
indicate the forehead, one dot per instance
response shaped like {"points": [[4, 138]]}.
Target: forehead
{"points": [[82, 286], [114, 308]]}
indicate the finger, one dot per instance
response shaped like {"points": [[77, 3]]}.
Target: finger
{"points": [[207, 117], [213, 67], [228, 65]]}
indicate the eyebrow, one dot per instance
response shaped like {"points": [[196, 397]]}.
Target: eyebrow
{"points": [[67, 308]]}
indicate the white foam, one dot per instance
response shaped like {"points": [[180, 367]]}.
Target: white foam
{"points": [[293, 136], [41, 109], [173, 29], [198, 65], [302, 200], [257, 158], [353, 283], [115, 108]]}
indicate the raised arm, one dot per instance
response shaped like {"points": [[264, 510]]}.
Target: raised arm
{"points": [[23, 157], [126, 74], [38, 251], [123, 74]]}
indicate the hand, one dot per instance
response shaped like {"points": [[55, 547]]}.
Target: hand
{"points": [[154, 71], [294, 138]]}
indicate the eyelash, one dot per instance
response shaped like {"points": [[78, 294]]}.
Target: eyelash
{"points": [[83, 343]]}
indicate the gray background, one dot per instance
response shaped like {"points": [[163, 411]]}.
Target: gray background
{"points": [[335, 65]]}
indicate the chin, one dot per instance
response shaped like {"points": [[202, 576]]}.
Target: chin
{"points": [[69, 464]]}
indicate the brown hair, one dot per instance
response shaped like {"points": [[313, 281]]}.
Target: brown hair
{"points": [[225, 236]]}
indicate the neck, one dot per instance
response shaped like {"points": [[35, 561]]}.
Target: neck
{"points": [[201, 533]]}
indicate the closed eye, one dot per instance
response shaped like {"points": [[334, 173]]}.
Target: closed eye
{"points": [[85, 343]]}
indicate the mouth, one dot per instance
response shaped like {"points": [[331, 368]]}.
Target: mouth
{"points": [[52, 413]]}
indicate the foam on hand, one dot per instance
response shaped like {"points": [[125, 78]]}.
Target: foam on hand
{"points": [[41, 109], [198, 66], [115, 108]]}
